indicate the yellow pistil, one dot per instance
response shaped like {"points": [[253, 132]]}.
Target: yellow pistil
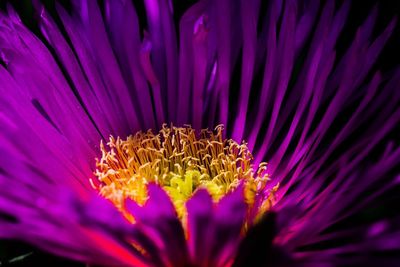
{"points": [[180, 161]]}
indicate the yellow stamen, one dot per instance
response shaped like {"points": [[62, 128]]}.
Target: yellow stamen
{"points": [[180, 161]]}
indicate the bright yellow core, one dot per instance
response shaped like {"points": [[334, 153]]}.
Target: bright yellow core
{"points": [[180, 160]]}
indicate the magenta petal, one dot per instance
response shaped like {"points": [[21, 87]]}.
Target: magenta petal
{"points": [[158, 205], [214, 232], [200, 226], [230, 216], [159, 229]]}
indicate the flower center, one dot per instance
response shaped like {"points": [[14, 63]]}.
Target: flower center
{"points": [[180, 161]]}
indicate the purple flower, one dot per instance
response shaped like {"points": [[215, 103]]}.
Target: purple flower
{"points": [[323, 122]]}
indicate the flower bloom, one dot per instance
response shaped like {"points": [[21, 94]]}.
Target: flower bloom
{"points": [[89, 171]]}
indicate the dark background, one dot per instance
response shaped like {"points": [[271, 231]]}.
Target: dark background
{"points": [[13, 253]]}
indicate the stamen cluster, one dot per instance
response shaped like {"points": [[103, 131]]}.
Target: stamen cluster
{"points": [[180, 161]]}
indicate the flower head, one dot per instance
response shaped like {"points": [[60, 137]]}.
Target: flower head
{"points": [[89, 170]]}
